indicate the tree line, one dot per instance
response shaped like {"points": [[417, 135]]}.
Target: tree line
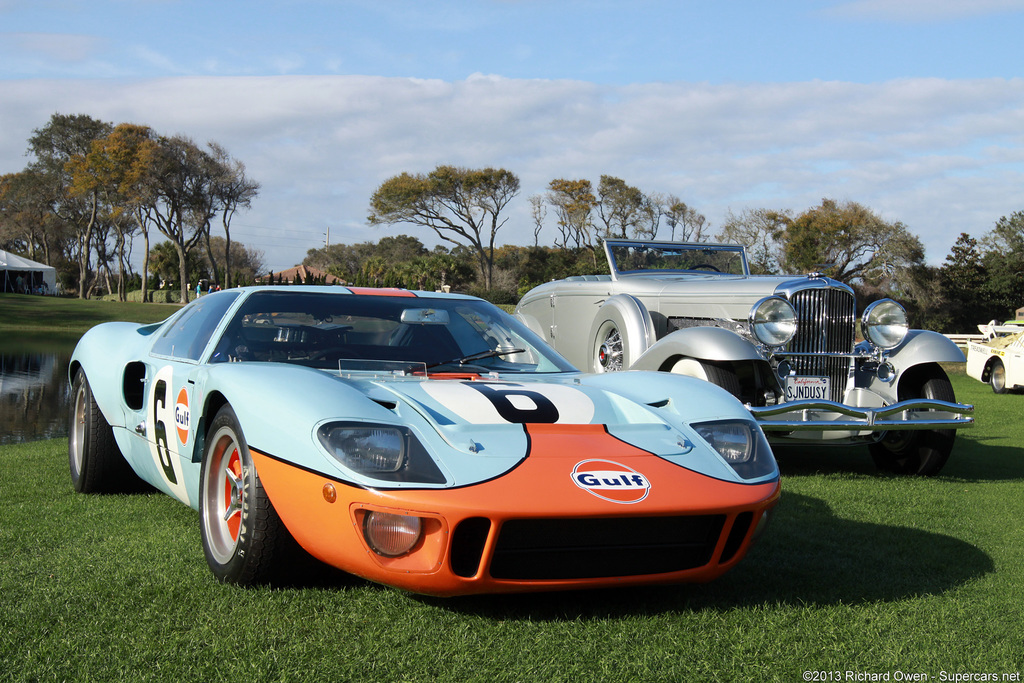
{"points": [[93, 188], [981, 279]]}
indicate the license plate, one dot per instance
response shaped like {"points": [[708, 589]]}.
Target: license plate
{"points": [[818, 388]]}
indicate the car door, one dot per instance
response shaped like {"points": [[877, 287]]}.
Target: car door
{"points": [[171, 399]]}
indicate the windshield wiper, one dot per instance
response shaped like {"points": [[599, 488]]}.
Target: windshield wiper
{"points": [[477, 356]]}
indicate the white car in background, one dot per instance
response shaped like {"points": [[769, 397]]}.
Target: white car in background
{"points": [[785, 345], [998, 361]]}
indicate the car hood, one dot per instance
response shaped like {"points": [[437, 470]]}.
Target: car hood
{"points": [[750, 287], [476, 429], [487, 420]]}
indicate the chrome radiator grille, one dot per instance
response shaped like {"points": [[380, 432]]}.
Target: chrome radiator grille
{"points": [[825, 324]]}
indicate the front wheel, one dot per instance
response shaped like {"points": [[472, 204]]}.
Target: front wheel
{"points": [[243, 537], [920, 452]]}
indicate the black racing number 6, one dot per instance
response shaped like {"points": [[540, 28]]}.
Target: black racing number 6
{"points": [[160, 430], [544, 411]]}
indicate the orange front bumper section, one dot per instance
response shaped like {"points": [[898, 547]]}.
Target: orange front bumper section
{"points": [[541, 526]]}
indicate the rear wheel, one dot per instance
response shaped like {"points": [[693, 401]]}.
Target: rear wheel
{"points": [[920, 452], [95, 461], [244, 540], [997, 377]]}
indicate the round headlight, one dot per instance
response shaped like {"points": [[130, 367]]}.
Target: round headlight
{"points": [[885, 323], [389, 534], [773, 321]]}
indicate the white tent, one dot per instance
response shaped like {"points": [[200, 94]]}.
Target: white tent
{"points": [[20, 275]]}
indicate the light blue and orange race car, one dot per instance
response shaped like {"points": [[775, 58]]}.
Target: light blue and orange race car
{"points": [[426, 441]]}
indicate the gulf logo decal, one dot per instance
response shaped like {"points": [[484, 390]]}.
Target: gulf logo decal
{"points": [[181, 416], [611, 481]]}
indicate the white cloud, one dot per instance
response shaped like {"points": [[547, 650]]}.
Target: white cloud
{"points": [[941, 156]]}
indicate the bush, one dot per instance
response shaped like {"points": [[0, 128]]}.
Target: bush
{"points": [[495, 295]]}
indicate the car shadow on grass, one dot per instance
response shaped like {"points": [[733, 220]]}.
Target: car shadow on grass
{"points": [[972, 460], [809, 556]]}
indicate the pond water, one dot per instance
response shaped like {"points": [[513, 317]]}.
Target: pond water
{"points": [[34, 393]]}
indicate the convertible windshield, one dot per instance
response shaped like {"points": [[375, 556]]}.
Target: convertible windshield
{"points": [[633, 257], [344, 331]]}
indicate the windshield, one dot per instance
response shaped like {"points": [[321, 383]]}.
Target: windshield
{"points": [[633, 257], [345, 331]]}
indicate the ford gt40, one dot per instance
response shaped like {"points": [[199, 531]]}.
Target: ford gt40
{"points": [[420, 440]]}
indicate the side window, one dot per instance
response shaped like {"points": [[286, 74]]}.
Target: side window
{"points": [[188, 335]]}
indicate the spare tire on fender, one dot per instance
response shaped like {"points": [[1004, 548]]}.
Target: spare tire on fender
{"points": [[622, 331]]}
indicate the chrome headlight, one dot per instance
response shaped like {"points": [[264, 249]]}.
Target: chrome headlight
{"points": [[773, 321], [885, 323], [383, 452], [741, 444]]}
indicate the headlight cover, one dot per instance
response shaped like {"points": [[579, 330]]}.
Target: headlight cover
{"points": [[741, 444], [773, 321], [391, 535], [885, 323], [385, 452]]}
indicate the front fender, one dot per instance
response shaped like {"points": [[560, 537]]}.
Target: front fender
{"points": [[301, 397], [919, 348], [925, 346], [701, 343]]}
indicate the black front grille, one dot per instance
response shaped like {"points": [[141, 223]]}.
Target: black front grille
{"points": [[825, 324], [539, 549]]}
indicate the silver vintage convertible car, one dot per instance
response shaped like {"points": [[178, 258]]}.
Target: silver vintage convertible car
{"points": [[785, 345]]}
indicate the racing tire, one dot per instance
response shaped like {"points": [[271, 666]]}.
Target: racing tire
{"points": [[244, 539], [918, 452], [96, 463], [997, 377], [719, 374]]}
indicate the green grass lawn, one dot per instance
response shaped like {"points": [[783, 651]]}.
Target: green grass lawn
{"points": [[50, 319], [859, 573]]}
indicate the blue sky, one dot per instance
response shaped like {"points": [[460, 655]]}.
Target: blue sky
{"points": [[914, 108]]}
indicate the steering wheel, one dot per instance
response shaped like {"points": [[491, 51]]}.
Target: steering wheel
{"points": [[704, 265]]}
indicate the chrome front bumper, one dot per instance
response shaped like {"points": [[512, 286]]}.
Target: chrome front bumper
{"points": [[817, 415]]}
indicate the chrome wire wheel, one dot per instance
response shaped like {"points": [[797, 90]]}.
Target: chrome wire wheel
{"points": [[610, 349], [224, 494]]}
